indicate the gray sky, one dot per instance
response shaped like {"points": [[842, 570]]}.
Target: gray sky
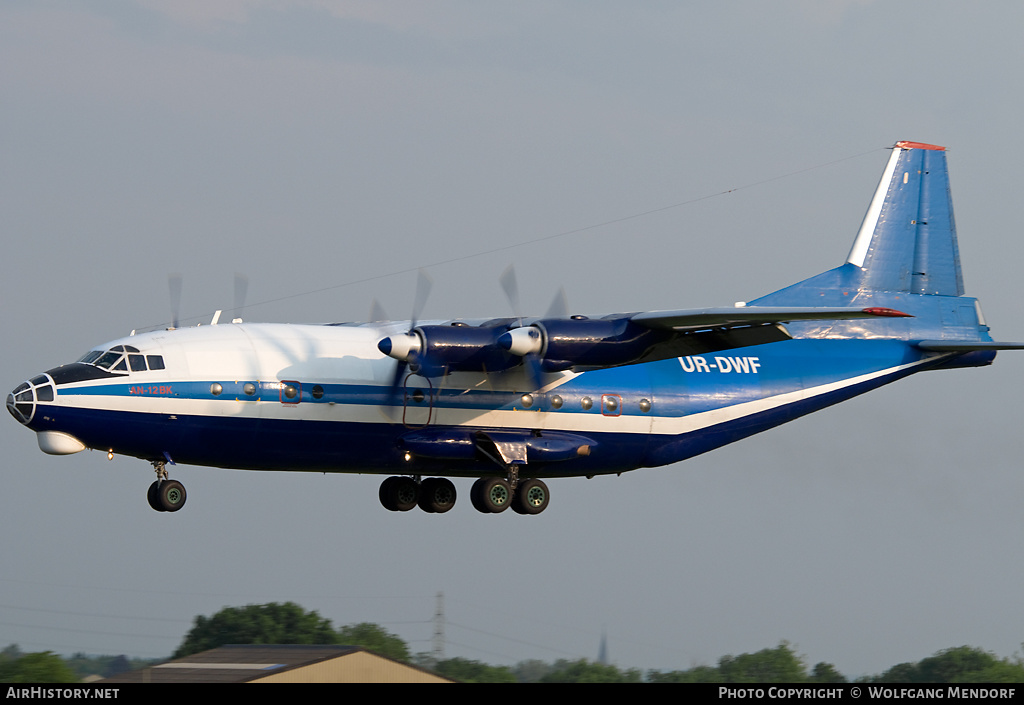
{"points": [[315, 144]]}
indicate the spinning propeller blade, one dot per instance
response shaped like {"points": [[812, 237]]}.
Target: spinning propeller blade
{"points": [[174, 289]]}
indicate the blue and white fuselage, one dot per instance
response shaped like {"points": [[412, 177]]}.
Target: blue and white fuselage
{"points": [[512, 402]]}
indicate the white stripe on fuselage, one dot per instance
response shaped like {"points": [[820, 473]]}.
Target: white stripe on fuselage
{"points": [[593, 422]]}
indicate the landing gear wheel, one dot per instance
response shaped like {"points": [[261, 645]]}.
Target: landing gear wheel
{"points": [[153, 495], [437, 495], [170, 495], [399, 494], [531, 497], [493, 495], [384, 493], [474, 496]]}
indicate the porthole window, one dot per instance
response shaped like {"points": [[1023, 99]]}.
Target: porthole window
{"points": [[249, 388], [290, 392], [527, 400], [216, 389], [556, 402], [645, 405], [586, 403], [318, 392]]}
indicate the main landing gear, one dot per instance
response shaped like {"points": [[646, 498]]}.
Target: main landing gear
{"points": [[165, 495], [490, 495]]}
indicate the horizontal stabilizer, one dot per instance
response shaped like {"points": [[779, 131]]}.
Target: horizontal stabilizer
{"points": [[965, 345], [699, 319]]}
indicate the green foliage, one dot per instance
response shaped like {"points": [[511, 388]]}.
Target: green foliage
{"points": [[273, 623], [375, 638], [778, 665], [469, 671], [105, 666], [961, 664], [42, 667], [584, 671], [826, 673], [531, 670], [697, 674]]}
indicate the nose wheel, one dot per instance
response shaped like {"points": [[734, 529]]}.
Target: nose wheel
{"points": [[165, 495]]}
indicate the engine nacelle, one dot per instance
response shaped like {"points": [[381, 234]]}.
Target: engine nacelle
{"points": [[581, 342], [432, 351]]}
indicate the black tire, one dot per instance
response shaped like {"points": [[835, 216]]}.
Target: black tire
{"points": [[495, 494], [153, 495], [405, 493], [532, 497], [171, 495], [385, 494], [474, 496], [437, 495]]}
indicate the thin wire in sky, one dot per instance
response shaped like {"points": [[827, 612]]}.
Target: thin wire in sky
{"points": [[548, 238]]}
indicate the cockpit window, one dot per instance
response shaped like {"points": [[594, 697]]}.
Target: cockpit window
{"points": [[107, 360], [121, 358]]}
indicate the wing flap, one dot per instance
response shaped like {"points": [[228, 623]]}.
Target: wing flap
{"points": [[708, 318]]}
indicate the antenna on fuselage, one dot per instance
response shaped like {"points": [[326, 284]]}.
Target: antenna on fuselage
{"points": [[241, 289]]}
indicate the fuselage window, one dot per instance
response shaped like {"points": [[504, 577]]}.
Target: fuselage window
{"points": [[137, 363], [156, 362]]}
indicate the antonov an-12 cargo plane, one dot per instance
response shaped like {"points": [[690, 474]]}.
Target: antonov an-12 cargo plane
{"points": [[514, 401]]}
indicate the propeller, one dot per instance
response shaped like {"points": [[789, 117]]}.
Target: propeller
{"points": [[377, 313], [511, 287], [526, 340], [174, 288], [404, 347]]}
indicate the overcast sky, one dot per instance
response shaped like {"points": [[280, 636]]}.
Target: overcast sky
{"points": [[328, 149]]}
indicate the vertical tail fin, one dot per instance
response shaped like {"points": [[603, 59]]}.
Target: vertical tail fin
{"points": [[907, 241], [906, 244]]}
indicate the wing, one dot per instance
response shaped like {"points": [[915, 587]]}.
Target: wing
{"points": [[582, 343]]}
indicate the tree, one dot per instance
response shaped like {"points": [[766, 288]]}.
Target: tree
{"points": [[272, 623], [531, 670], [469, 671], [826, 673], [697, 674], [42, 667], [778, 665], [584, 671], [961, 664], [375, 638]]}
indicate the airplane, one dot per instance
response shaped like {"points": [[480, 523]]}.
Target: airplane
{"points": [[514, 401]]}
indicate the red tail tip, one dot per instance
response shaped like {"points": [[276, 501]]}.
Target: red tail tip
{"points": [[919, 145], [888, 312]]}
